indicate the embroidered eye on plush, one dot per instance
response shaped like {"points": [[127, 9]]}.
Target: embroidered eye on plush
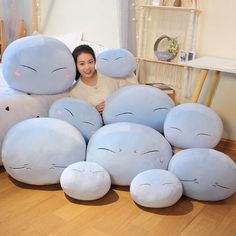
{"points": [[88, 123], [61, 68], [118, 58], [29, 67], [106, 149], [109, 150], [56, 166], [25, 166], [69, 111], [151, 151], [160, 108], [146, 184], [190, 180], [219, 185], [125, 113], [81, 171], [176, 128], [203, 134]]}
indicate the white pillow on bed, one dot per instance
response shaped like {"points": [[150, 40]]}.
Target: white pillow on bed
{"points": [[74, 39], [71, 40], [95, 46]]}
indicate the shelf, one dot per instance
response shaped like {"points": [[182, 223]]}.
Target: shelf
{"points": [[165, 62], [166, 20], [171, 8]]}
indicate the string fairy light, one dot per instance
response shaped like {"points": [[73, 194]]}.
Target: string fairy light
{"points": [[36, 15], [38, 9]]}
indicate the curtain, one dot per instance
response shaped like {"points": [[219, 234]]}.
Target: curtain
{"points": [[10, 13], [126, 20]]}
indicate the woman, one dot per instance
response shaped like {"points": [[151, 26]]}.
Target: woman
{"points": [[93, 86]]}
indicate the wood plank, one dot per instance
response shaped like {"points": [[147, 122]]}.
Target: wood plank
{"points": [[227, 146], [45, 210], [208, 219]]}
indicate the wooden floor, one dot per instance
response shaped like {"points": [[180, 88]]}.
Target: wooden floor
{"points": [[33, 211]]}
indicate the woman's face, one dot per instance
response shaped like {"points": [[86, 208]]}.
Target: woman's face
{"points": [[86, 65]]}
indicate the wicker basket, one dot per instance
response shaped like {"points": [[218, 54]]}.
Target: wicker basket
{"points": [[163, 55]]}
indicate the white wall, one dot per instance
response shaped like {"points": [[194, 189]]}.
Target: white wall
{"points": [[97, 19], [217, 37]]}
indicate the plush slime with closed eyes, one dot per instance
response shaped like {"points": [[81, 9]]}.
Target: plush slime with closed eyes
{"points": [[85, 181], [156, 188], [116, 62], [79, 113], [36, 151], [126, 149], [206, 174], [39, 65], [141, 104], [193, 125]]}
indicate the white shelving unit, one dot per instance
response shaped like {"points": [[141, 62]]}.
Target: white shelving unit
{"points": [[152, 22]]}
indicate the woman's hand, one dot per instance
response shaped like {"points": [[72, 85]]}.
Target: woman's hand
{"points": [[100, 106]]}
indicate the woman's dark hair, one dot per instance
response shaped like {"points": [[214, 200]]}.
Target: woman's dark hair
{"points": [[77, 51]]}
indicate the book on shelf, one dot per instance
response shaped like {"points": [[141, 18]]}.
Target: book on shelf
{"points": [[165, 88]]}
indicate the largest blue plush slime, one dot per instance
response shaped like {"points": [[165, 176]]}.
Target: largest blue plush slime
{"points": [[39, 65]]}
